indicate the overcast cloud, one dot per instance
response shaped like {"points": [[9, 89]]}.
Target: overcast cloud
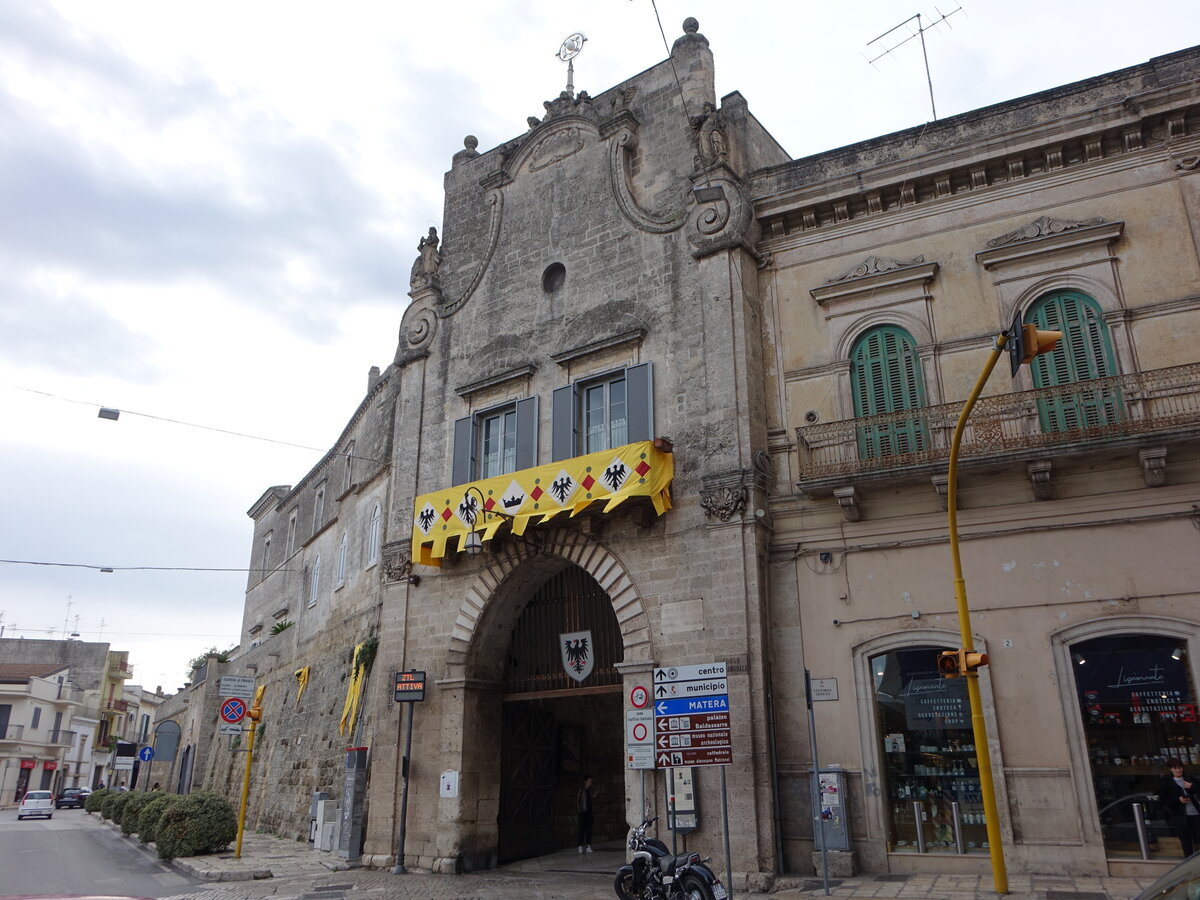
{"points": [[208, 213]]}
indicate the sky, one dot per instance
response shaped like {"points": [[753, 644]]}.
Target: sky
{"points": [[208, 213]]}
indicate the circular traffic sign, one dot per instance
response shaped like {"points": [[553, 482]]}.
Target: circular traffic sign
{"points": [[146, 754], [639, 697], [640, 731], [233, 710]]}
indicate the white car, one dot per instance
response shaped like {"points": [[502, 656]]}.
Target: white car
{"points": [[37, 803]]}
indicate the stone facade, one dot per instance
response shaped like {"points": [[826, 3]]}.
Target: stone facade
{"points": [[652, 242]]}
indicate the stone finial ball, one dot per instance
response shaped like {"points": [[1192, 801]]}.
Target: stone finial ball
{"points": [[470, 142], [690, 25]]}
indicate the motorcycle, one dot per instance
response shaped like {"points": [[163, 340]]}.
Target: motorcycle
{"points": [[656, 873]]}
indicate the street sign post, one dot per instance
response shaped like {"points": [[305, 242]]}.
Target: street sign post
{"points": [[691, 716], [237, 686], [233, 710], [410, 689]]}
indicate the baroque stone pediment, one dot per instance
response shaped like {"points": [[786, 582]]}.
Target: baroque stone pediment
{"points": [[874, 265], [1044, 226]]}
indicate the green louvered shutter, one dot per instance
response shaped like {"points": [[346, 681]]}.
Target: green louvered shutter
{"points": [[1084, 354], [885, 377]]}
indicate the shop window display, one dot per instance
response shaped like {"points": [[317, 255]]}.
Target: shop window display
{"points": [[928, 754], [1138, 707]]}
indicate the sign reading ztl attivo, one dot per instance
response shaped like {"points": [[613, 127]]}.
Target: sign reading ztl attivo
{"points": [[691, 716]]}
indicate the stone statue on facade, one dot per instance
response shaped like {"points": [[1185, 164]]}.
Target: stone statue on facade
{"points": [[710, 136], [425, 266]]}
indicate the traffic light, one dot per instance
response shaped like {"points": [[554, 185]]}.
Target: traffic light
{"points": [[1027, 341], [971, 660], [948, 664], [254, 713]]}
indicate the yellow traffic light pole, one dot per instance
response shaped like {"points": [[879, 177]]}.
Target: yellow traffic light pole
{"points": [[254, 715], [1030, 343]]}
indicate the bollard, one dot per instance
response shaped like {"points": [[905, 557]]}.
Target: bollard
{"points": [[918, 816], [1139, 820]]}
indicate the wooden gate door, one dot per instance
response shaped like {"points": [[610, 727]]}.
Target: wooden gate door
{"points": [[528, 766]]}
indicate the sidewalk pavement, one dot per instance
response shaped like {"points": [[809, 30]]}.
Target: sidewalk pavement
{"points": [[315, 874]]}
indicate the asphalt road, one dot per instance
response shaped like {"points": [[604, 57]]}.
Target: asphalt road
{"points": [[73, 853]]}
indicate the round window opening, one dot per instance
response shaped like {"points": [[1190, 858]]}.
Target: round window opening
{"points": [[553, 277]]}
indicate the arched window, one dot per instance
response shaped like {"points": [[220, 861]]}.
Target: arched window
{"points": [[343, 547], [313, 578], [1084, 354], [373, 536], [885, 377]]}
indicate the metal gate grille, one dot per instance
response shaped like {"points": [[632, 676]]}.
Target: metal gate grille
{"points": [[570, 601]]}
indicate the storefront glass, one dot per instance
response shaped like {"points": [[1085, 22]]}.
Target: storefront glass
{"points": [[1138, 706], [928, 753]]}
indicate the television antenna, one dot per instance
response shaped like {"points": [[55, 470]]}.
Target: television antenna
{"points": [[919, 33], [567, 52]]}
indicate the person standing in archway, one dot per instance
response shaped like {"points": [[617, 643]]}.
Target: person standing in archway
{"points": [[1180, 797], [584, 801]]}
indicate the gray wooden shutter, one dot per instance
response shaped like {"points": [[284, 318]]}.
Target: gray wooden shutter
{"points": [[527, 432], [464, 450], [639, 391], [564, 425]]}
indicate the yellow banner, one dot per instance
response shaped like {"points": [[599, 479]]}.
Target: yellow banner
{"points": [[538, 495]]}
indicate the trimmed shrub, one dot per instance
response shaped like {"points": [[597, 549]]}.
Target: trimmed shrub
{"points": [[116, 807], [147, 826], [132, 811], [203, 822], [106, 804], [95, 800]]}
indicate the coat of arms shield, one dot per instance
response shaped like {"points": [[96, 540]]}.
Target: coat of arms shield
{"points": [[577, 656]]}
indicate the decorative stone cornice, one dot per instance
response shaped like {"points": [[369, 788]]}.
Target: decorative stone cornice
{"points": [[492, 381], [1042, 227], [874, 265]]}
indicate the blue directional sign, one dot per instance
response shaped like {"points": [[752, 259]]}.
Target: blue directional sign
{"points": [[146, 754], [685, 705]]}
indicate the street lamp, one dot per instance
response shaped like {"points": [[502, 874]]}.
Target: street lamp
{"points": [[1028, 342], [473, 544]]}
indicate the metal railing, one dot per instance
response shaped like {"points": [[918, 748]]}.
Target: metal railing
{"points": [[1097, 411], [117, 706], [11, 732], [61, 737]]}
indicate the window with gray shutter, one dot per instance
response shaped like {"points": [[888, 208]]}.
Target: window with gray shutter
{"points": [[496, 441], [605, 412]]}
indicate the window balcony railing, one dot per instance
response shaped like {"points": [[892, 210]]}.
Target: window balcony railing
{"points": [[61, 737], [117, 706], [1102, 411], [11, 732]]}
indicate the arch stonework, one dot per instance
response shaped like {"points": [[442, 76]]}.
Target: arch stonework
{"points": [[518, 567]]}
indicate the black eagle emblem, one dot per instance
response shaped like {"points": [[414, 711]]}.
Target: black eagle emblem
{"points": [[577, 653], [427, 516]]}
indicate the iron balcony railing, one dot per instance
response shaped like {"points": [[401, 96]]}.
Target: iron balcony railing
{"points": [[117, 706], [1102, 410], [11, 732]]}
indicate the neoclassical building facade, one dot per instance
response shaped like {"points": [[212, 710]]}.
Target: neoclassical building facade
{"points": [[664, 388]]}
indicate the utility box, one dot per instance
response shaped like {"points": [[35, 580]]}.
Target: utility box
{"points": [[832, 830], [325, 827]]}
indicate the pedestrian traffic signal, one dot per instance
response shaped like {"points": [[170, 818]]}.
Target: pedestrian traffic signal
{"points": [[1024, 342], [948, 664]]}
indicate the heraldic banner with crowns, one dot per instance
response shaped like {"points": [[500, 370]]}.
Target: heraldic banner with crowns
{"points": [[538, 495]]}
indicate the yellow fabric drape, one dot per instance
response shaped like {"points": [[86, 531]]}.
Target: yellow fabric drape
{"points": [[443, 518], [353, 693], [302, 680]]}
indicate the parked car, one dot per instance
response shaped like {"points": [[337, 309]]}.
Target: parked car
{"points": [[37, 803], [72, 797], [1179, 883]]}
